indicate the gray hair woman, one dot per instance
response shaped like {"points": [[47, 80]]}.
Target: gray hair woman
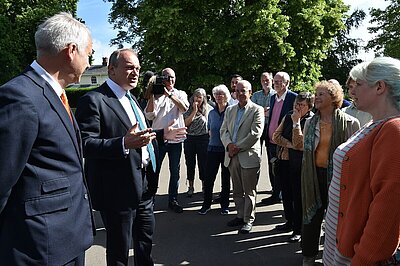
{"points": [[196, 142], [363, 217], [216, 153]]}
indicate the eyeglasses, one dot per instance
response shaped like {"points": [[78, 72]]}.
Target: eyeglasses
{"points": [[301, 104], [242, 91]]}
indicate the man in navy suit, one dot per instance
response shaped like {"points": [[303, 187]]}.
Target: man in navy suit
{"points": [[45, 212], [118, 148], [280, 104]]}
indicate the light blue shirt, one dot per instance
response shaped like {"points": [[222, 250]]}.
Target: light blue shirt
{"points": [[239, 116], [263, 100]]}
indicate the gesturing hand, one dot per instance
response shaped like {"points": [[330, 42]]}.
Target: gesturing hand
{"points": [[174, 133], [137, 139]]}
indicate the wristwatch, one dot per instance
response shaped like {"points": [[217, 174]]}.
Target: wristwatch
{"points": [[170, 95], [296, 125]]}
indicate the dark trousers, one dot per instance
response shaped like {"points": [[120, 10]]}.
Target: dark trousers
{"points": [[295, 184], [287, 200], [214, 160], [264, 136], [123, 226], [274, 179], [311, 232], [290, 176], [196, 146]]}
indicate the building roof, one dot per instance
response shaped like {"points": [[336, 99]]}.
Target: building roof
{"points": [[96, 70]]}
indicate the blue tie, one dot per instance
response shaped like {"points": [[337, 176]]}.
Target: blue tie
{"points": [[143, 126]]}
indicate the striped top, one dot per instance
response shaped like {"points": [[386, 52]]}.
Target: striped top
{"points": [[331, 255]]}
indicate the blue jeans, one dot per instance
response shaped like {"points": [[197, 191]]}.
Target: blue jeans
{"points": [[174, 151]]}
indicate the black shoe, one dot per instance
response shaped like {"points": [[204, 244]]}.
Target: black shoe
{"points": [[174, 205], [204, 210], [246, 228], [286, 227], [295, 238], [235, 222], [270, 201]]}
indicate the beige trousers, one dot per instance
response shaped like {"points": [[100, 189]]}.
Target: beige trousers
{"points": [[244, 189]]}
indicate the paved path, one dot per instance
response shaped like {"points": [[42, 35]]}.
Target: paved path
{"points": [[192, 239]]}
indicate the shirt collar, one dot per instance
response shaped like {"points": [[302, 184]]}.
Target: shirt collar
{"points": [[118, 90], [282, 98], [47, 77]]}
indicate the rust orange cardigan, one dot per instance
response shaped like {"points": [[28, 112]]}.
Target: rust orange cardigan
{"points": [[369, 209]]}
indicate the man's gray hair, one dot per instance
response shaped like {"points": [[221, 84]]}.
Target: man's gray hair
{"points": [[56, 32], [113, 61]]}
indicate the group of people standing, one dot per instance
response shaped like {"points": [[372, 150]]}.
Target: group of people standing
{"points": [[322, 164]]}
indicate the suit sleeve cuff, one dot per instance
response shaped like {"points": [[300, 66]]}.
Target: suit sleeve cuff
{"points": [[124, 151]]}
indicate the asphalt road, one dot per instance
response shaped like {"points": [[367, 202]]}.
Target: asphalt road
{"points": [[192, 239]]}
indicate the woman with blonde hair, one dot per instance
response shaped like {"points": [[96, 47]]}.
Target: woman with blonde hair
{"points": [[326, 130]]}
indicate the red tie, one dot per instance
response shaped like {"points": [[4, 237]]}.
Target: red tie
{"points": [[64, 100]]}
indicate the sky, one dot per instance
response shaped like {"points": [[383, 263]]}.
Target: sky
{"points": [[95, 15]]}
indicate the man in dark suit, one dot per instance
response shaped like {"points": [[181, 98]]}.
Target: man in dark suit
{"points": [[119, 151], [281, 103], [45, 212]]}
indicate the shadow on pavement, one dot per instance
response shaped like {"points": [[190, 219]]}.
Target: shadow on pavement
{"points": [[192, 239]]}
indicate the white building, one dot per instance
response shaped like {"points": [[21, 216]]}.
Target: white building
{"points": [[95, 75]]}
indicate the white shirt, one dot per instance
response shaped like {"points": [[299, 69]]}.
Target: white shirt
{"points": [[165, 111], [47, 77], [120, 94], [282, 98]]}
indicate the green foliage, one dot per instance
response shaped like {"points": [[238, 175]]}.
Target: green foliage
{"points": [[18, 23], [387, 41], [74, 94], [314, 24], [206, 41], [343, 55]]}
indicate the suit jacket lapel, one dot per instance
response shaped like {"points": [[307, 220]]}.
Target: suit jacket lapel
{"points": [[57, 105], [245, 114], [233, 118], [112, 101]]}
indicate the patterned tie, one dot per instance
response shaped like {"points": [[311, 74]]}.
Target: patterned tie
{"points": [[64, 100], [142, 126]]}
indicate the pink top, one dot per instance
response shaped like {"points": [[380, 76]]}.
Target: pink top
{"points": [[274, 123]]}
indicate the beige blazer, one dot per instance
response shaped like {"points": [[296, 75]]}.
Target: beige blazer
{"points": [[250, 129]]}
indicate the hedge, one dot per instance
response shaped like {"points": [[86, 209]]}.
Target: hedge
{"points": [[74, 94]]}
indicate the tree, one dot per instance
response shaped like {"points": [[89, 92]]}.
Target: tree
{"points": [[207, 41], [18, 23], [387, 41], [343, 55]]}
